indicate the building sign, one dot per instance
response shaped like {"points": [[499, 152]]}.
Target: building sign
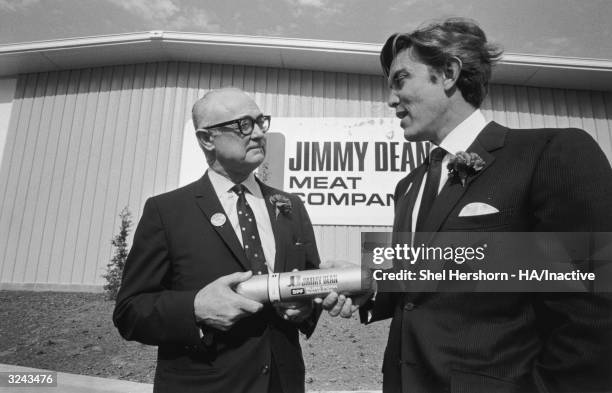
{"points": [[344, 169]]}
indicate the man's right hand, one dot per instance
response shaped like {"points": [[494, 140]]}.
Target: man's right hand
{"points": [[219, 307], [341, 305]]}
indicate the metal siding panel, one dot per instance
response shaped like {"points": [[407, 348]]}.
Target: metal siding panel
{"points": [[121, 160], [586, 113], [537, 114], [271, 90], [8, 175], [560, 108], [607, 97], [381, 98], [498, 105], [238, 77], [248, 83], [260, 80], [341, 98], [318, 92], [204, 80], [215, 76], [340, 242], [353, 94], [227, 76], [352, 245], [61, 197], [522, 100], [193, 81], [95, 187], [511, 106], [305, 94], [486, 106], [166, 129], [294, 107], [329, 102], [573, 109], [31, 224], [365, 101], [37, 258], [78, 162], [87, 173], [138, 159], [18, 228], [282, 102], [180, 115], [153, 129], [64, 102], [110, 174], [327, 243], [548, 106], [131, 142], [602, 129], [98, 217], [141, 186]]}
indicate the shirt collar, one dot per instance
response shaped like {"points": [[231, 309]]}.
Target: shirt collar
{"points": [[462, 136], [223, 185]]}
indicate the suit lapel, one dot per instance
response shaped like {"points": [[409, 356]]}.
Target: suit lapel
{"points": [[208, 202], [280, 233], [491, 138]]}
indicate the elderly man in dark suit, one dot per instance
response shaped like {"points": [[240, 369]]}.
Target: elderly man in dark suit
{"points": [[193, 246], [545, 180]]}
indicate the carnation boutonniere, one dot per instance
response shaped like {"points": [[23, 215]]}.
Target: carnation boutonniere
{"points": [[463, 165], [281, 203]]}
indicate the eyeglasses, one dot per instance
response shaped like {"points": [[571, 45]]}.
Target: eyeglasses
{"points": [[245, 124]]}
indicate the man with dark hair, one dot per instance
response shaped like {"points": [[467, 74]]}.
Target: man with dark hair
{"points": [[545, 180], [194, 245]]}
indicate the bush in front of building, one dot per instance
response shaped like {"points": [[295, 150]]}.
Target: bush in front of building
{"points": [[114, 269]]}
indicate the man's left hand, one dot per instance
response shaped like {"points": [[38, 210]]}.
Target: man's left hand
{"points": [[294, 312]]}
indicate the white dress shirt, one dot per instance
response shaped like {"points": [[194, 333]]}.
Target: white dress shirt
{"points": [[459, 139], [228, 198]]}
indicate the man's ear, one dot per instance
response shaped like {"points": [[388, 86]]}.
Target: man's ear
{"points": [[205, 140], [451, 72]]}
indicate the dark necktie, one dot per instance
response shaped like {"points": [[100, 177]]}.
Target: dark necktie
{"points": [[250, 235], [432, 184]]}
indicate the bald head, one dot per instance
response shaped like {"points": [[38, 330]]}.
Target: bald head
{"points": [[228, 151], [221, 105]]}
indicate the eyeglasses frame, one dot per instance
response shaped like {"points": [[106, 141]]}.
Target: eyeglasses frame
{"points": [[267, 118]]}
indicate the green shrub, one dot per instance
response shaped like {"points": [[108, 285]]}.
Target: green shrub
{"points": [[114, 269]]}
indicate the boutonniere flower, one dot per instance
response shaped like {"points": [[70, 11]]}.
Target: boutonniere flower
{"points": [[281, 203], [463, 165]]}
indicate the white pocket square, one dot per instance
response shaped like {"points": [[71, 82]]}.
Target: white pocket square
{"points": [[477, 209]]}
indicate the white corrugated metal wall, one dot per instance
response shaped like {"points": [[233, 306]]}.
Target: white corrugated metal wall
{"points": [[83, 144]]}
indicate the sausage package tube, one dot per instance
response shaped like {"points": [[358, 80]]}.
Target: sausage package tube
{"points": [[305, 284]]}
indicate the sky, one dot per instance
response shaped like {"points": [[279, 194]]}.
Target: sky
{"points": [[569, 28]]}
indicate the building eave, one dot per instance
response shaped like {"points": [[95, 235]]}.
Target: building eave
{"points": [[292, 53]]}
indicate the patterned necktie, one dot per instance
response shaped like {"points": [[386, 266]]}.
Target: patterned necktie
{"points": [[250, 235], [431, 185]]}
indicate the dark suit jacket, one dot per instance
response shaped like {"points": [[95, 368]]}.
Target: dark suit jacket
{"points": [[176, 251], [547, 180]]}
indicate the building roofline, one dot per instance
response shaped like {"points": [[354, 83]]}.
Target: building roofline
{"points": [[294, 53]]}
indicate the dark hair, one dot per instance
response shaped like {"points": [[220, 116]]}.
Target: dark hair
{"points": [[439, 42]]}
